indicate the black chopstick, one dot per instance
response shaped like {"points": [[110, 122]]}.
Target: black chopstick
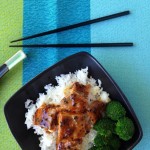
{"points": [[75, 25], [76, 45]]}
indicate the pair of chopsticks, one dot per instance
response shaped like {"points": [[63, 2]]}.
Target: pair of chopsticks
{"points": [[124, 13]]}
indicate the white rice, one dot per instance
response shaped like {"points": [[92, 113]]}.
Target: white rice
{"points": [[54, 94]]}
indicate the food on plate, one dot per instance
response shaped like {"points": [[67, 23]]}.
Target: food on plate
{"points": [[71, 115], [113, 128], [105, 126], [106, 135], [115, 110], [106, 142], [125, 128]]}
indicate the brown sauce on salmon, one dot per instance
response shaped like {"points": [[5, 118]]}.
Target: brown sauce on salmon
{"points": [[73, 118]]}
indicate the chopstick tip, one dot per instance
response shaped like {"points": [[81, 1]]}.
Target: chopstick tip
{"points": [[129, 11], [16, 40], [12, 41]]}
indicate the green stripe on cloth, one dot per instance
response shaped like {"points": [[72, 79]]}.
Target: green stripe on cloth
{"points": [[11, 28]]}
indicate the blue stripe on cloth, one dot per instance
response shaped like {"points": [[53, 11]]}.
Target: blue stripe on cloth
{"points": [[39, 16], [44, 15], [70, 12]]}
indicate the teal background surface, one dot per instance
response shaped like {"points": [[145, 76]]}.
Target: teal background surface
{"points": [[40, 16], [129, 67]]}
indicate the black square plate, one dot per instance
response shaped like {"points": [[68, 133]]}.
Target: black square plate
{"points": [[15, 107]]}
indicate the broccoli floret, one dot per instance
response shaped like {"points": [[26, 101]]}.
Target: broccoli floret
{"points": [[105, 127], [115, 142], [115, 110], [100, 140], [103, 142], [125, 128]]}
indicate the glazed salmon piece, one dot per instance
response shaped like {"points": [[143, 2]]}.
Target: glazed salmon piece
{"points": [[96, 110], [39, 115], [70, 145], [76, 98], [46, 117], [78, 88], [73, 118], [71, 129], [74, 103]]}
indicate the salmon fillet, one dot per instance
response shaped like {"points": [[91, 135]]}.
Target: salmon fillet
{"points": [[46, 117], [73, 118], [71, 129], [78, 88]]}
